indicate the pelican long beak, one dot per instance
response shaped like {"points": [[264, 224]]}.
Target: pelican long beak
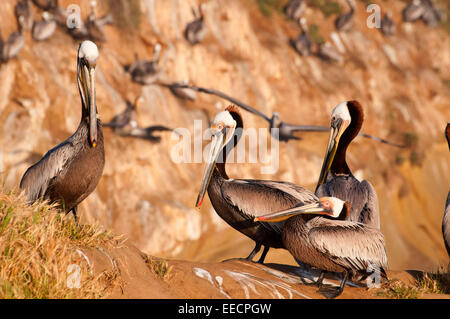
{"points": [[337, 128], [219, 140], [87, 80], [314, 208]]}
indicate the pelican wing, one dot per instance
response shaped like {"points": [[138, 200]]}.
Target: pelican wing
{"points": [[351, 245], [38, 177], [255, 198], [370, 214]]}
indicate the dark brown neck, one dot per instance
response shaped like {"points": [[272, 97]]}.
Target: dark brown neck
{"points": [[339, 165], [447, 134], [345, 213], [221, 160]]}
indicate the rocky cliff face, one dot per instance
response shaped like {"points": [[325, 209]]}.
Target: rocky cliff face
{"points": [[402, 83]]}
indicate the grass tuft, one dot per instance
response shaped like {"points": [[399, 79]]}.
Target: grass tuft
{"points": [[39, 252]]}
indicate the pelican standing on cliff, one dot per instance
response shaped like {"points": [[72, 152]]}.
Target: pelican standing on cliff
{"points": [[69, 172], [446, 219], [336, 178], [319, 234], [195, 31], [239, 201]]}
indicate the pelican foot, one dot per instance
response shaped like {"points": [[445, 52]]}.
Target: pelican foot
{"points": [[330, 292]]}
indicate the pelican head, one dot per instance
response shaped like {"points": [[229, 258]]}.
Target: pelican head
{"points": [[87, 61], [340, 120], [327, 206], [222, 130]]}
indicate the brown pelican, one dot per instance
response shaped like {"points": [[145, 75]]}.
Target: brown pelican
{"points": [[12, 47], [239, 201], [44, 29], [302, 44], [387, 24], [344, 21], [69, 172], [24, 14], [413, 11], [328, 53], [143, 71], [320, 235], [95, 25], [295, 9], [127, 119], [431, 15], [195, 31], [336, 179], [446, 219]]}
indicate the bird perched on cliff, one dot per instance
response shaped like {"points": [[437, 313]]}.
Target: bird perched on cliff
{"points": [[95, 25], [327, 52], [23, 9], [413, 11], [294, 9], [44, 29], [126, 120], [69, 172], [144, 71], [320, 235], [302, 44], [195, 31], [13, 45], [387, 24], [431, 15], [344, 21], [446, 219]]}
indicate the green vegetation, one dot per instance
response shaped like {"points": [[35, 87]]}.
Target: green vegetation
{"points": [[397, 290], [327, 7], [267, 7], [40, 249], [159, 267], [426, 283], [314, 34]]}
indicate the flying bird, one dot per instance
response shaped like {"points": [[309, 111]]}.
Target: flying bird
{"points": [[69, 172], [321, 235], [285, 130]]}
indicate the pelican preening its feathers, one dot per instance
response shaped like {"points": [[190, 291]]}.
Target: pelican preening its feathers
{"points": [[320, 234], [69, 172]]}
